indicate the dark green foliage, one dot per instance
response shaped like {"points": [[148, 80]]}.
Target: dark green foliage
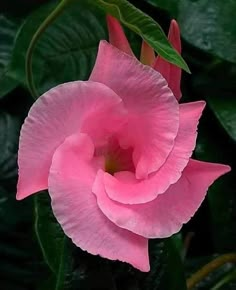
{"points": [[34, 252], [8, 29]]}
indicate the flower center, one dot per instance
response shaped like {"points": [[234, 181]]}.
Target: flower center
{"points": [[111, 165], [116, 158]]}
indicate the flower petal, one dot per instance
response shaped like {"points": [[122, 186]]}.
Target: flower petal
{"points": [[171, 72], [153, 112], [75, 207], [147, 54], [117, 36], [125, 188], [60, 112], [166, 214]]}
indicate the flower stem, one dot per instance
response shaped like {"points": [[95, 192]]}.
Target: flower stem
{"points": [[210, 267], [29, 55]]}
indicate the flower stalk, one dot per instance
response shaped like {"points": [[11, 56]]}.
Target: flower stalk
{"points": [[29, 55]]}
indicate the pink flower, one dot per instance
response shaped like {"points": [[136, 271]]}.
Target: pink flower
{"points": [[114, 153]]}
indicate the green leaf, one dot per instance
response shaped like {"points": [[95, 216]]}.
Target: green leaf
{"points": [[167, 271], [93, 272], [8, 29], [174, 278], [15, 243], [52, 241], [224, 109], [216, 81], [213, 146], [66, 51], [206, 24], [170, 5], [23, 39], [15, 227], [144, 26], [7, 84], [228, 282], [210, 26], [9, 128], [158, 265], [19, 260]]}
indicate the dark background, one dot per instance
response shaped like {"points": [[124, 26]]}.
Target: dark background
{"points": [[208, 30]]}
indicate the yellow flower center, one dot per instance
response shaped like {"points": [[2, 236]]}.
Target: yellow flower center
{"points": [[111, 165]]}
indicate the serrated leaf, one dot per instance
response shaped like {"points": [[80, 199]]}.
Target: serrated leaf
{"points": [[144, 26]]}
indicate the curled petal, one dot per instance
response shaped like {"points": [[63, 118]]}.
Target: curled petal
{"points": [[124, 187], [171, 72], [153, 112], [75, 206], [165, 215], [60, 112]]}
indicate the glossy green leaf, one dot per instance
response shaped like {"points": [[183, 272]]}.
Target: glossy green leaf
{"points": [[158, 266], [16, 242], [207, 24], [144, 26], [170, 5], [9, 131], [94, 272], [213, 146], [167, 271], [19, 260], [23, 39], [217, 84], [225, 110], [52, 241], [174, 277], [66, 51], [8, 29], [211, 26]]}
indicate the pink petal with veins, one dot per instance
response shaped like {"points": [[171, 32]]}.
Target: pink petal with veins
{"points": [[165, 215], [64, 110], [153, 112], [71, 177], [124, 187]]}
